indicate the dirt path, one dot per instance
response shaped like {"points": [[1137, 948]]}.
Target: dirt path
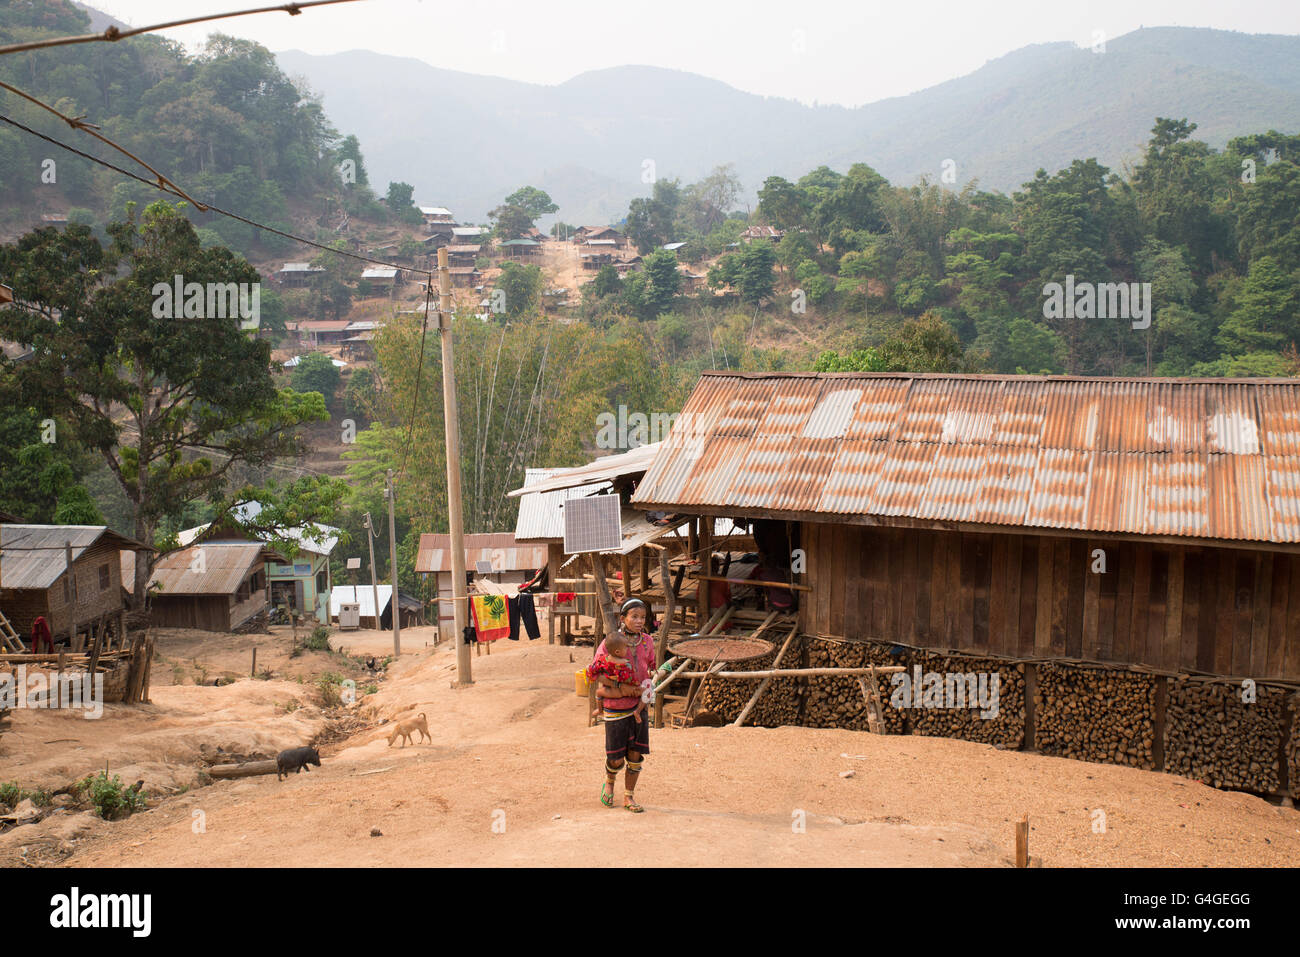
{"points": [[513, 776]]}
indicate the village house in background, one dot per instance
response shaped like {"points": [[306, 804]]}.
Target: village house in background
{"points": [[77, 605], [210, 586], [507, 563]]}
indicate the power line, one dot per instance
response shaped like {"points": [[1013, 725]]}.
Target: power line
{"points": [[112, 33], [205, 207]]}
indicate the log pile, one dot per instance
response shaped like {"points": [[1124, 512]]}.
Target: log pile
{"points": [[1096, 715], [779, 704], [836, 702], [960, 714], [1293, 748], [1211, 735]]}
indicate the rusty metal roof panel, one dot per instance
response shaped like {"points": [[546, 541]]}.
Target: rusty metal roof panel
{"points": [[1071, 413], [1057, 498], [973, 412], [1177, 457], [850, 484], [1279, 409], [807, 467], [876, 414], [923, 414], [904, 476], [1020, 420], [956, 473], [1282, 476], [1231, 419], [1007, 480], [715, 478], [1177, 418], [1237, 500], [1176, 496], [1117, 499]]}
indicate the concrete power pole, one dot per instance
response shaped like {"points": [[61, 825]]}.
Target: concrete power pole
{"points": [[374, 575], [460, 599], [391, 493]]}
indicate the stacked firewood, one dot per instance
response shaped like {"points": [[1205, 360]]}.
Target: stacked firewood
{"points": [[1093, 714], [835, 701], [726, 697], [1214, 736], [949, 706], [1293, 747]]}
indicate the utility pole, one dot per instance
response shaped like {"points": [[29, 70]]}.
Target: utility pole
{"points": [[391, 494], [374, 575], [460, 598]]}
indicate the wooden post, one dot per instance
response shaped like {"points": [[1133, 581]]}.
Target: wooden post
{"points": [[665, 626], [552, 573], [645, 571], [625, 566], [706, 568], [606, 604], [451, 424], [72, 592], [395, 606], [1022, 842], [253, 672]]}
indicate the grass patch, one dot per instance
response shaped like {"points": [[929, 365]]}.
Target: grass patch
{"points": [[110, 798]]}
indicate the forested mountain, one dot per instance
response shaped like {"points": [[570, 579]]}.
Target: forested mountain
{"points": [[226, 123], [585, 141]]}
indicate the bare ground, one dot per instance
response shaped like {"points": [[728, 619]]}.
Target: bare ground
{"points": [[513, 776]]}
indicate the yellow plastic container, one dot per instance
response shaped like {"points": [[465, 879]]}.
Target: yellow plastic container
{"points": [[580, 683]]}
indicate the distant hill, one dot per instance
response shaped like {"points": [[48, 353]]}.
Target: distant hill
{"points": [[465, 140]]}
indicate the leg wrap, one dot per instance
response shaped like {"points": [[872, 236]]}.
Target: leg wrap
{"points": [[613, 767], [634, 766]]}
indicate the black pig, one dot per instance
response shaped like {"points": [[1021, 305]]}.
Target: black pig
{"points": [[295, 760]]}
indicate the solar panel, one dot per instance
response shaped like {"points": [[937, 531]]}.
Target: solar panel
{"points": [[592, 524], [484, 566], [354, 563]]}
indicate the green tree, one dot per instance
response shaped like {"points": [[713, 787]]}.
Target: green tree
{"points": [[663, 281], [521, 209], [748, 271], [652, 221], [1267, 316], [400, 201], [316, 372], [174, 406], [522, 285]]}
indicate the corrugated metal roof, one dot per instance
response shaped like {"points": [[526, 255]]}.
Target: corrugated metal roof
{"points": [[499, 548], [541, 514], [1201, 458], [32, 556], [218, 570], [248, 511], [601, 470]]}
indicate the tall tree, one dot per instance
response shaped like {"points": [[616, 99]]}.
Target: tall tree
{"points": [[174, 405]]}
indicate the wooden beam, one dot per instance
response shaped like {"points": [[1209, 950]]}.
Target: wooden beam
{"points": [[755, 581], [776, 663], [792, 672]]}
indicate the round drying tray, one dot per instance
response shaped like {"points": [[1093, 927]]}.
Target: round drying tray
{"points": [[721, 649]]}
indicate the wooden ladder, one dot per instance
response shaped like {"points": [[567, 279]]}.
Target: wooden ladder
{"points": [[9, 637]]}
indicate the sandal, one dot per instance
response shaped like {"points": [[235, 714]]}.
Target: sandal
{"points": [[607, 800], [629, 804]]}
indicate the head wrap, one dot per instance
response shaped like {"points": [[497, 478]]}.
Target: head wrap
{"points": [[630, 604]]}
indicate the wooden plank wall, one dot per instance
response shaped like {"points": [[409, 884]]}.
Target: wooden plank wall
{"points": [[1221, 611]]}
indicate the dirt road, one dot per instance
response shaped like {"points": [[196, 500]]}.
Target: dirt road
{"points": [[513, 776]]}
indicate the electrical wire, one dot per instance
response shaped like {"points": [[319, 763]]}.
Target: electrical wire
{"points": [[207, 207], [113, 34]]}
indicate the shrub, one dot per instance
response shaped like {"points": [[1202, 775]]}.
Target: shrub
{"points": [[318, 640], [110, 798], [10, 793]]}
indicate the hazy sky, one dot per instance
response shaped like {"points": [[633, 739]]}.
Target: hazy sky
{"points": [[848, 52]]}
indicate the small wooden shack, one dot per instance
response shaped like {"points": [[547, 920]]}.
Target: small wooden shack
{"points": [[211, 587], [69, 574]]}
